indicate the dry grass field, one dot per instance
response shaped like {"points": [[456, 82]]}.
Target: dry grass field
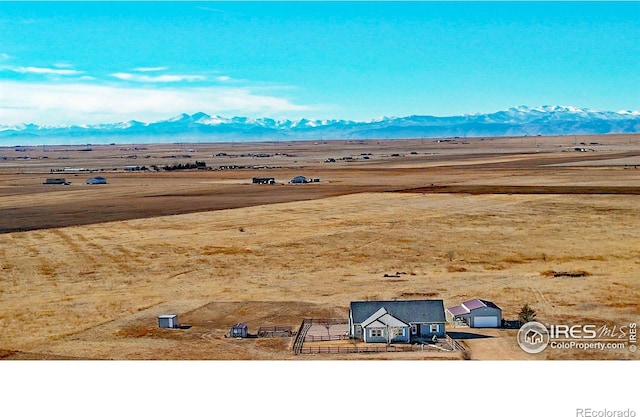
{"points": [[86, 269]]}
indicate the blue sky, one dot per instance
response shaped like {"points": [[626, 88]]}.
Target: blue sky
{"points": [[101, 62]]}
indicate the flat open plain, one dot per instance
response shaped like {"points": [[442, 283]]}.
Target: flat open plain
{"points": [[86, 269]]}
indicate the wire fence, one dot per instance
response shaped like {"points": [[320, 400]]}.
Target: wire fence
{"points": [[306, 324], [454, 344], [326, 322], [359, 349], [303, 336], [274, 331], [325, 338]]}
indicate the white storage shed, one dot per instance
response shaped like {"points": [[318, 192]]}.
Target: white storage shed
{"points": [[168, 321]]}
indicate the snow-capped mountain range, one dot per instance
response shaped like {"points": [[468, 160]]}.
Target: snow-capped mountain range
{"points": [[201, 127]]}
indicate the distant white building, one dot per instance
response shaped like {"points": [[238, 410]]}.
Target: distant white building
{"points": [[168, 321], [97, 180], [303, 180], [61, 181]]}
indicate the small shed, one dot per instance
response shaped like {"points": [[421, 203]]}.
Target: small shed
{"points": [[97, 180], [238, 330], [168, 321]]}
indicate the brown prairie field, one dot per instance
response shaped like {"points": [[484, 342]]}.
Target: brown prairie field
{"points": [[86, 269]]}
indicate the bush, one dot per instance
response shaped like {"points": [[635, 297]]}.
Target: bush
{"points": [[526, 314]]}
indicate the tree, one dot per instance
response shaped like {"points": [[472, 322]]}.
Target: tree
{"points": [[389, 333], [526, 314], [392, 332], [328, 323]]}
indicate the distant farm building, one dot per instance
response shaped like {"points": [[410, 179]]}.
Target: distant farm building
{"points": [[303, 180], [60, 181], [475, 313], [97, 180], [239, 330], [264, 180], [168, 321], [132, 168]]}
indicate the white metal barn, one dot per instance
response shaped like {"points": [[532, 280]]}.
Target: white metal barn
{"points": [[168, 321], [475, 313]]}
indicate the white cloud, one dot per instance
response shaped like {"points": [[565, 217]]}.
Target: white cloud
{"points": [[79, 103], [157, 79], [44, 71], [223, 78], [150, 69], [4, 56]]}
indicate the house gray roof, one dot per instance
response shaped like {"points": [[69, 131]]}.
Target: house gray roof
{"points": [[478, 303], [408, 311], [458, 310], [382, 318]]}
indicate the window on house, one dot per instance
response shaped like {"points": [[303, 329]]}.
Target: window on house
{"points": [[414, 329], [433, 328], [375, 333], [399, 331]]}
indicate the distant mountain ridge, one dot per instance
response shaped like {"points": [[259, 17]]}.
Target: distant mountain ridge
{"points": [[201, 127]]}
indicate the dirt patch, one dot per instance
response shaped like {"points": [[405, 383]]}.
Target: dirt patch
{"points": [[569, 274]]}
